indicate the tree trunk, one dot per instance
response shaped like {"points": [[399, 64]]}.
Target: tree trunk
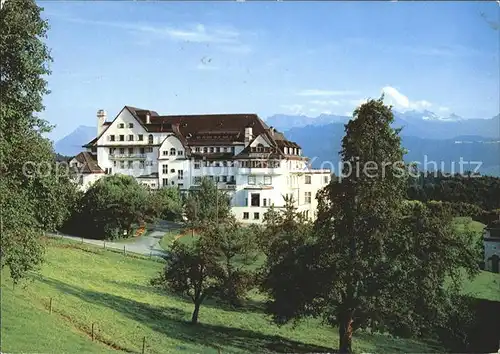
{"points": [[345, 334], [194, 318]]}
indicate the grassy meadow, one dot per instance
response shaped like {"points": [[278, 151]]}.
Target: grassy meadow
{"points": [[90, 285]]}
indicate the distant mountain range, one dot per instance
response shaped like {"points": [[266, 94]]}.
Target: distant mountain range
{"points": [[414, 123], [424, 133], [324, 149]]}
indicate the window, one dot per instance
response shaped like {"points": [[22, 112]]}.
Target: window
{"points": [[153, 185], [180, 185], [172, 183], [224, 163], [165, 182], [197, 180], [308, 179], [165, 152], [217, 149], [256, 216], [121, 126], [211, 149], [130, 164], [224, 178], [149, 163], [251, 180], [325, 179], [165, 169], [217, 179], [197, 165], [264, 202], [114, 163], [268, 180], [255, 199], [172, 170], [180, 174], [180, 152], [224, 149], [308, 197], [197, 149], [141, 150], [205, 150], [246, 216], [149, 149], [122, 164], [141, 164], [140, 137], [172, 151], [232, 179], [108, 170], [122, 151], [150, 138], [130, 137], [130, 151], [112, 138], [217, 164], [111, 150], [130, 125], [122, 137]]}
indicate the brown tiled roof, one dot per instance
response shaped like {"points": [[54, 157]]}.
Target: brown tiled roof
{"points": [[206, 129], [89, 162]]}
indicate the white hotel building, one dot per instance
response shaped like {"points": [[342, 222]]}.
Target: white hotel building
{"points": [[254, 163]]}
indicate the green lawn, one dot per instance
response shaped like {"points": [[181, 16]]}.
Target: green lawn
{"points": [[89, 285], [461, 223], [170, 236]]}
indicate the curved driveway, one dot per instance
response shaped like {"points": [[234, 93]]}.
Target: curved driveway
{"points": [[147, 245]]}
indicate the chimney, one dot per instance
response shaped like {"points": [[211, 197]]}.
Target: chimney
{"points": [[271, 131], [101, 118], [148, 118], [248, 135]]}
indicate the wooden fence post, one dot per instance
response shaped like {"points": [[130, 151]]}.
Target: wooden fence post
{"points": [[50, 305], [124, 250], [104, 242], [143, 345], [92, 331]]}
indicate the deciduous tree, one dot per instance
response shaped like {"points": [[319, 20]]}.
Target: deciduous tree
{"points": [[375, 261], [34, 193]]}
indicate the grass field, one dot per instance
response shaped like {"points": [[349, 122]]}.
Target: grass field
{"points": [[462, 223], [90, 285]]}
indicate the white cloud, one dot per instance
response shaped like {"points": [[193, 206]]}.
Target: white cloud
{"points": [[320, 111], [325, 102], [206, 67], [395, 98], [357, 102], [293, 108], [325, 93], [443, 109], [224, 38]]}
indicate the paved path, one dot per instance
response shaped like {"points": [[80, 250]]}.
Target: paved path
{"points": [[147, 244]]}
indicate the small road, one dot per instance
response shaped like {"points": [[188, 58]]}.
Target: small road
{"points": [[147, 245]]}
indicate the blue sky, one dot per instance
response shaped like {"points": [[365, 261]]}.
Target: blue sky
{"points": [[270, 57]]}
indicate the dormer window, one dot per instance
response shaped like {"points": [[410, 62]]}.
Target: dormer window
{"points": [[172, 151]]}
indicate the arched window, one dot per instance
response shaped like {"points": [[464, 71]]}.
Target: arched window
{"points": [[172, 151], [150, 138]]}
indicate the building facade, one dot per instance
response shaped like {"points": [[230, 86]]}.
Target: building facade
{"points": [[491, 242], [254, 163]]}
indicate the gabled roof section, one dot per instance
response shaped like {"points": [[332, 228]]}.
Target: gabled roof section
{"points": [[205, 129], [89, 162]]}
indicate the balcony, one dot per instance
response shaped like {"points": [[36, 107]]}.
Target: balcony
{"points": [[127, 156]]}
